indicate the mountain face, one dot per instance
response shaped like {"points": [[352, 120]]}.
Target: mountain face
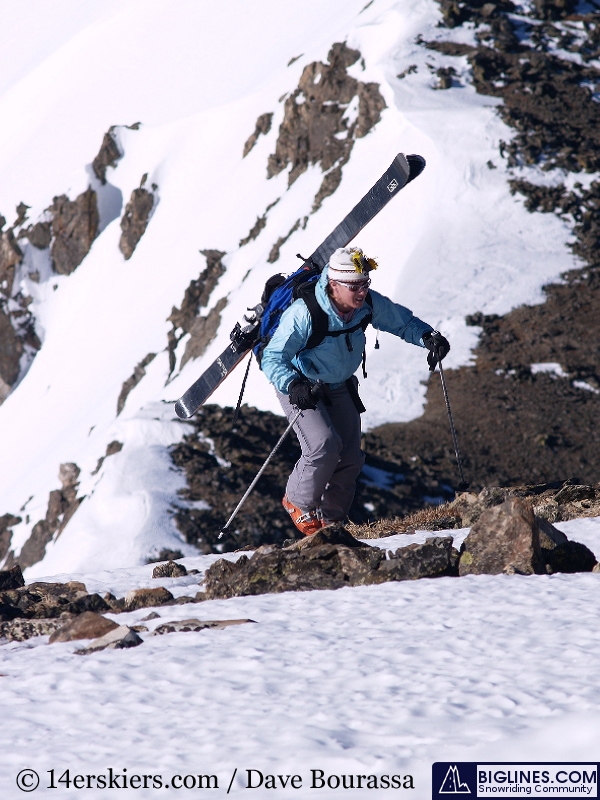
{"points": [[134, 248]]}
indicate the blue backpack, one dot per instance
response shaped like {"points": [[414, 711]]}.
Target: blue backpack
{"points": [[280, 292]]}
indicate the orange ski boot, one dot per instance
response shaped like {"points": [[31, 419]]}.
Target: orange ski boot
{"points": [[307, 522]]}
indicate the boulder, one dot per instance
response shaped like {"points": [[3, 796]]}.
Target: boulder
{"points": [[144, 598], [117, 639], [186, 625], [11, 578], [169, 569], [20, 629], [510, 538], [505, 538], [329, 559], [88, 625], [49, 600], [436, 557]]}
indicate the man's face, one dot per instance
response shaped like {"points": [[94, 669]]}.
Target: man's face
{"points": [[349, 295]]}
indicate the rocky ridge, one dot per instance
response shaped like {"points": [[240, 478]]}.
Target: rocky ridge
{"points": [[507, 538], [544, 66], [322, 119]]}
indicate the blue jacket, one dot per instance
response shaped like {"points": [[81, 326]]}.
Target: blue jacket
{"points": [[332, 362]]}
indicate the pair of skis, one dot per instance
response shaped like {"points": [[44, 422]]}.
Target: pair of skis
{"points": [[401, 171]]}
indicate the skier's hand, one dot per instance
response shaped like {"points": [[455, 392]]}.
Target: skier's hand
{"points": [[438, 347], [303, 394]]}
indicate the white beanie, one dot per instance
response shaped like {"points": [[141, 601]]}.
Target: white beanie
{"points": [[349, 264]]}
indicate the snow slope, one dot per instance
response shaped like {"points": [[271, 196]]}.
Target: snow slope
{"points": [[453, 243], [376, 680]]}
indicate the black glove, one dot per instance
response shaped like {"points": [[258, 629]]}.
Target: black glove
{"points": [[438, 347], [303, 394]]}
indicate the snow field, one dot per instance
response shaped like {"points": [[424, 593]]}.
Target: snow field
{"points": [[371, 680]]}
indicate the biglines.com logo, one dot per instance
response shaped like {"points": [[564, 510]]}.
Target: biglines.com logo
{"points": [[472, 780]]}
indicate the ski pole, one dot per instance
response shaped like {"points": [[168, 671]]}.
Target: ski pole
{"points": [[260, 472], [463, 485]]}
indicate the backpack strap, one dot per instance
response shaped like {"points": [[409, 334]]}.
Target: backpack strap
{"points": [[318, 317], [320, 322]]}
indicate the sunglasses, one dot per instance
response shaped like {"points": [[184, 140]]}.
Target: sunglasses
{"points": [[355, 286]]}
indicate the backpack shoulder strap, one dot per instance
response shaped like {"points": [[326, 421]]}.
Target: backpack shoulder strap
{"points": [[320, 321], [318, 317]]}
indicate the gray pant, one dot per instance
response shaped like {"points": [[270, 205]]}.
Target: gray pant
{"points": [[325, 475]]}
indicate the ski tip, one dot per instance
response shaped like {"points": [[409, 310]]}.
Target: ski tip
{"points": [[416, 165], [402, 165], [181, 411]]}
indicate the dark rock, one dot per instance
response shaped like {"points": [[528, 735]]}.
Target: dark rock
{"points": [[88, 625], [432, 559], [8, 611], [135, 220], [572, 494], [131, 382], [570, 557], [188, 625], [550, 537], [10, 255], [62, 504], [504, 539], [169, 570], [144, 598], [108, 155], [49, 600], [40, 235], [263, 126], [203, 331], [197, 296], [74, 228], [314, 129], [560, 554], [330, 559], [19, 630], [117, 639], [11, 578], [11, 350], [116, 604], [151, 615], [112, 448]]}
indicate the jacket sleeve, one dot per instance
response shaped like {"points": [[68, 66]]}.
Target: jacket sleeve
{"points": [[399, 320], [292, 334]]}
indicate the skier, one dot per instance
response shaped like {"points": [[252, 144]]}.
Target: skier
{"points": [[321, 383]]}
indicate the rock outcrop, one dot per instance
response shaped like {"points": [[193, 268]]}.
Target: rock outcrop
{"points": [[62, 504], [42, 600], [128, 385], [263, 126], [508, 538], [323, 117], [136, 218], [187, 318], [74, 227], [108, 155], [330, 559]]}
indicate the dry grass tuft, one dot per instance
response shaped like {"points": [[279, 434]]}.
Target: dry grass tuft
{"points": [[432, 518]]}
